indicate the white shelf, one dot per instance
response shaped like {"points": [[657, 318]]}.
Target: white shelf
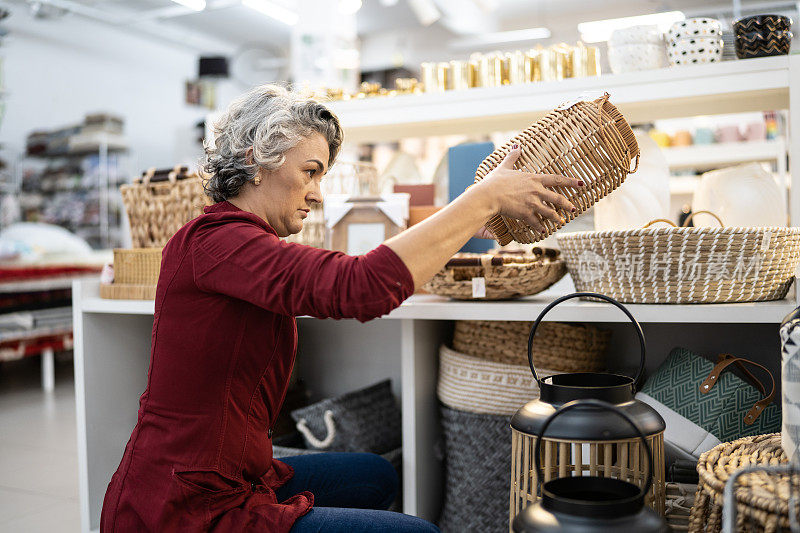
{"points": [[714, 155], [730, 86], [47, 284], [430, 307]]}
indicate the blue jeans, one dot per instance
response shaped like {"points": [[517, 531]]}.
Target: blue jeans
{"points": [[351, 491]]}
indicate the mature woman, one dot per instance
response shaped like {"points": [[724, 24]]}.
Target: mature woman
{"points": [[224, 335]]}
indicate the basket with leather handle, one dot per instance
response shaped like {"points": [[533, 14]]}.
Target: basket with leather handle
{"points": [[161, 201], [590, 141]]}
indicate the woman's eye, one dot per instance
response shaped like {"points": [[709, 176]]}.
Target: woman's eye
{"points": [[311, 172]]}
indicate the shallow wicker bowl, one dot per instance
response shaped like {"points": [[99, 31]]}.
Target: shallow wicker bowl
{"points": [[519, 275]]}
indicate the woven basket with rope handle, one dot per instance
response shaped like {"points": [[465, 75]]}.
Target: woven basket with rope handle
{"points": [[684, 265]]}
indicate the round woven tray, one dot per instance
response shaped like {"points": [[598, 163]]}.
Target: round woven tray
{"points": [[519, 275], [590, 141], [762, 499], [684, 265], [478, 385], [559, 347]]}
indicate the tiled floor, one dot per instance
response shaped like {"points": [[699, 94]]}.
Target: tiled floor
{"points": [[38, 450]]}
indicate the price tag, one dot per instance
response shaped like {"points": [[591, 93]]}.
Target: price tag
{"points": [[586, 96], [479, 287]]}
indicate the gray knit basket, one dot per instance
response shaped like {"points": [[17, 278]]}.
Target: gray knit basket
{"points": [[478, 472]]}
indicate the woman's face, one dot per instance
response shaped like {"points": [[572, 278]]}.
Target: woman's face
{"points": [[288, 192]]}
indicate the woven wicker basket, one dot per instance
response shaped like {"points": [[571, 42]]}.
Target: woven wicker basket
{"points": [[156, 210], [139, 266], [762, 499], [506, 276], [559, 347], [590, 141], [477, 385], [684, 265]]}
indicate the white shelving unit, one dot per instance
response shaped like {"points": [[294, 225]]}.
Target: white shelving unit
{"points": [[112, 338], [723, 154]]}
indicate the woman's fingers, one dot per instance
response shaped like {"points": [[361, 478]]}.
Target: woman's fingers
{"points": [[511, 157], [557, 200], [557, 180], [548, 213]]}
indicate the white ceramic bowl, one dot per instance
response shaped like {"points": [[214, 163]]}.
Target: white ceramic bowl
{"points": [[699, 27], [633, 57], [636, 35], [695, 50]]}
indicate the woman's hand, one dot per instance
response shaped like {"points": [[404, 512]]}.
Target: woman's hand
{"points": [[522, 195]]}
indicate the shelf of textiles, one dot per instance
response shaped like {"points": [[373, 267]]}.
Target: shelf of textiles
{"points": [[76, 194]]}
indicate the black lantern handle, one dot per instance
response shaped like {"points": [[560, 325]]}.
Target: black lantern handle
{"points": [[598, 404], [608, 299]]}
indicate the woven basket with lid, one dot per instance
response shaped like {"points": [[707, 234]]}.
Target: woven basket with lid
{"points": [[590, 141]]}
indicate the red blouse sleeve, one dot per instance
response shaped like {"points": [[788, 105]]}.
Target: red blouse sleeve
{"points": [[246, 262]]}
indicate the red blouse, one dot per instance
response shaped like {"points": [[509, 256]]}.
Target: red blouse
{"points": [[224, 341]]}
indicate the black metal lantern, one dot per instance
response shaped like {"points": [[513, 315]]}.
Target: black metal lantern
{"points": [[592, 504], [586, 443]]}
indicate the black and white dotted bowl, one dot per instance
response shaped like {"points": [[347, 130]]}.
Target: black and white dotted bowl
{"points": [[698, 27], [695, 50]]}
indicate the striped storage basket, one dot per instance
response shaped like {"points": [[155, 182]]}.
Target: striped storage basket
{"points": [[478, 385], [684, 265], [590, 141]]}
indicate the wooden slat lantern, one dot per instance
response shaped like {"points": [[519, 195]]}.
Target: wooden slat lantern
{"points": [[586, 443]]}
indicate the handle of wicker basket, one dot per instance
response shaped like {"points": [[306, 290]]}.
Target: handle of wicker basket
{"points": [[657, 220], [729, 506], [702, 212], [600, 102], [596, 404], [612, 301], [148, 175], [486, 264], [724, 362]]}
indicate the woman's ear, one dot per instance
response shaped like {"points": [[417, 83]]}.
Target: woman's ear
{"points": [[248, 156]]}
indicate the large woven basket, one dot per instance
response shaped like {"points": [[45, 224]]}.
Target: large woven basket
{"points": [[590, 141], [505, 276], [559, 347], [482, 386], [158, 209], [762, 499], [684, 265]]}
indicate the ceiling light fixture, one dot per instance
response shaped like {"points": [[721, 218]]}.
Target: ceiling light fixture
{"points": [[197, 5], [600, 30], [501, 37], [273, 10], [349, 7]]}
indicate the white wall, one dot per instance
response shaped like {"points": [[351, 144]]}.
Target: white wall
{"points": [[55, 71]]}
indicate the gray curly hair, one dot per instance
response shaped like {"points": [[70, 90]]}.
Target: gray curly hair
{"points": [[270, 120]]}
